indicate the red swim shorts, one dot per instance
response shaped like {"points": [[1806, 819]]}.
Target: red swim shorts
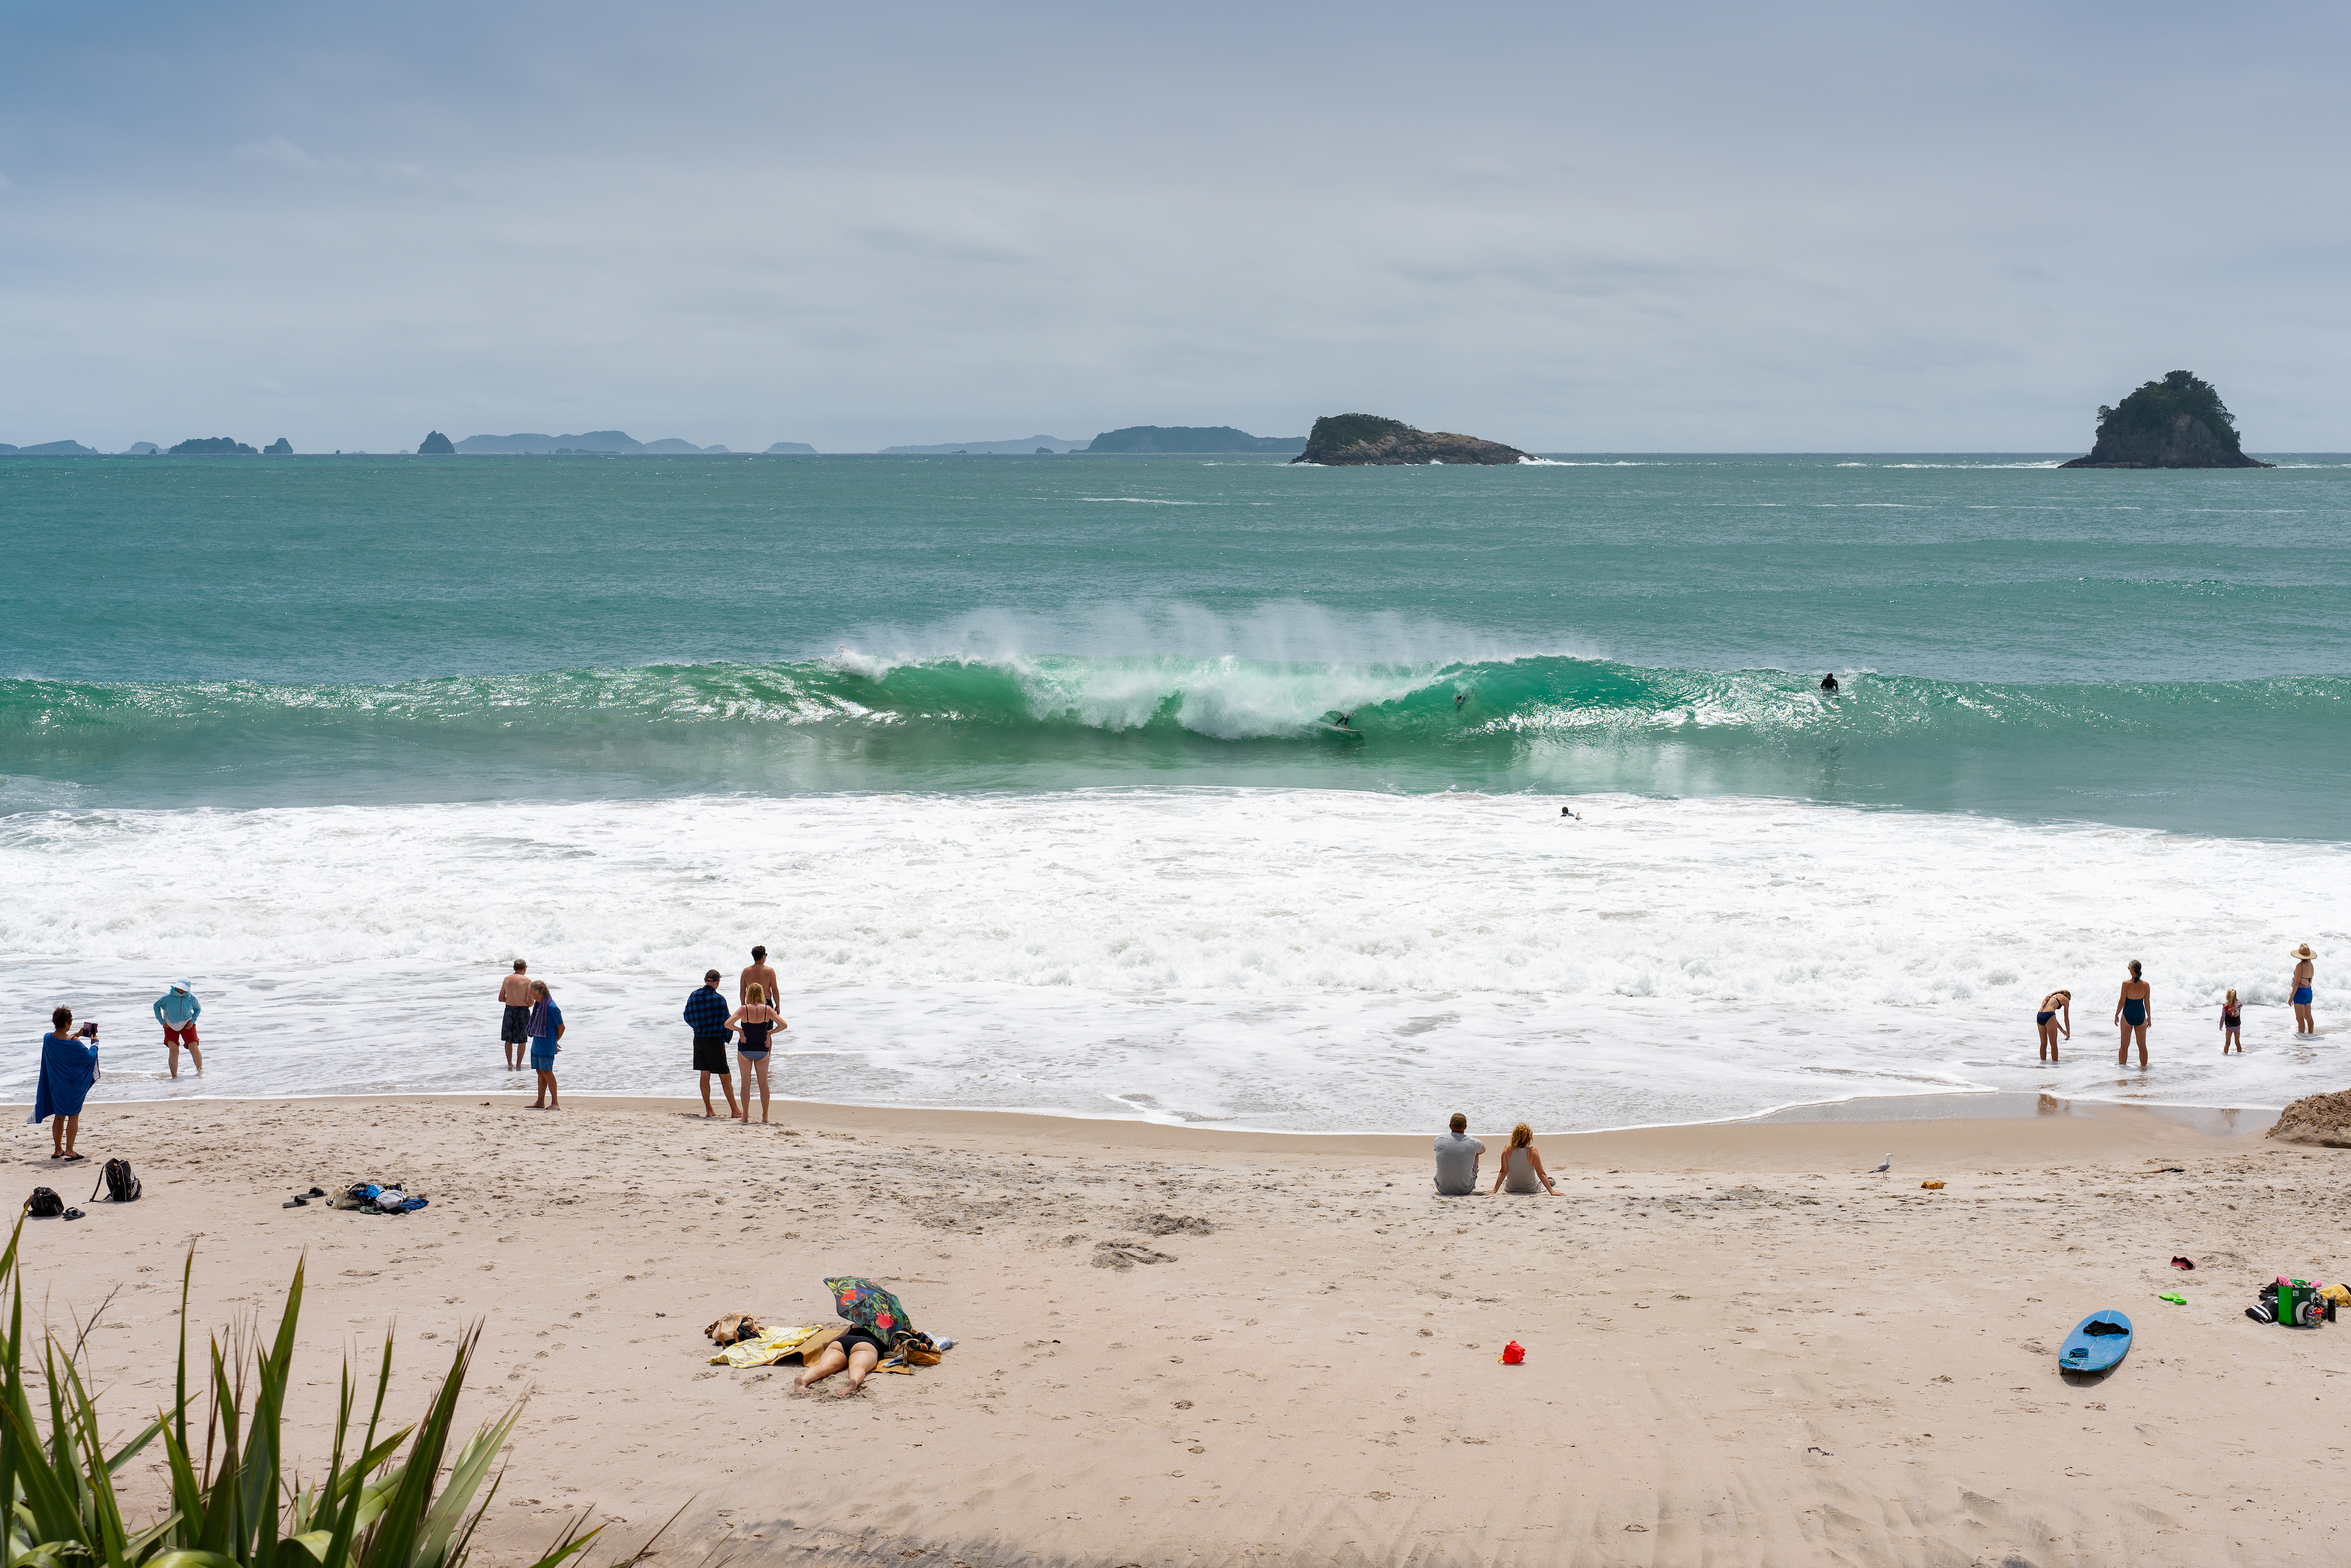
{"points": [[184, 1036]]}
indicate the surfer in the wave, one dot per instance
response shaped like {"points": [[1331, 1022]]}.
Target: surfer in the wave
{"points": [[1829, 684], [1459, 697]]}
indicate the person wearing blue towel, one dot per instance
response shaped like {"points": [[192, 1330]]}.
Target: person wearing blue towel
{"points": [[545, 1032], [68, 1067]]}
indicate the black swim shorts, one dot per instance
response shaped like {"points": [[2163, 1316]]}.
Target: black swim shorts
{"points": [[511, 1030], [710, 1054]]}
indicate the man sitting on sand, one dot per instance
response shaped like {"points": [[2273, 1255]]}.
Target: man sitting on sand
{"points": [[1457, 1160]]}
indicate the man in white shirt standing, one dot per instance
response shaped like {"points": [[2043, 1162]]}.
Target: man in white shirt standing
{"points": [[1457, 1160]]}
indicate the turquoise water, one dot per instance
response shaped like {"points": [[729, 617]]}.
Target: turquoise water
{"points": [[2158, 649]]}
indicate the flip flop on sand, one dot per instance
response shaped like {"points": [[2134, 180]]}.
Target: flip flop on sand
{"points": [[2183, 1263]]}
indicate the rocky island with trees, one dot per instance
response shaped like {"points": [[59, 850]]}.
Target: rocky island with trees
{"points": [[2176, 422], [1346, 441]]}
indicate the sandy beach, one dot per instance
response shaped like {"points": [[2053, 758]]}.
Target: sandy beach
{"points": [[1741, 1347]]}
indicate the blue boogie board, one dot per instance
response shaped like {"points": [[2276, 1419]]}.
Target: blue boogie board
{"points": [[2085, 1351]]}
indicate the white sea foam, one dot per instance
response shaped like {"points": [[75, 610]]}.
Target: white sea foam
{"points": [[1290, 958]]}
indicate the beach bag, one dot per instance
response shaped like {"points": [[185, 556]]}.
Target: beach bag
{"points": [[44, 1204], [733, 1328], [866, 1306], [2296, 1303], [121, 1187]]}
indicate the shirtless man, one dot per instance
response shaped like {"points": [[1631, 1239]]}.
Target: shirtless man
{"points": [[757, 973], [515, 991]]}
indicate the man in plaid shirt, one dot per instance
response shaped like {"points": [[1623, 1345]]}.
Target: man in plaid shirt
{"points": [[706, 1014]]}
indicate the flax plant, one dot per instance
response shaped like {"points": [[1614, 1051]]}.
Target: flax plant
{"points": [[239, 1504]]}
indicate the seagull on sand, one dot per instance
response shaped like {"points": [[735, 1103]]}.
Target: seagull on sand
{"points": [[1883, 1165]]}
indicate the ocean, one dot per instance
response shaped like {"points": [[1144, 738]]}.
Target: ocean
{"points": [[1214, 790]]}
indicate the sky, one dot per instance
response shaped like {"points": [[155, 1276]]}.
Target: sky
{"points": [[1708, 227]]}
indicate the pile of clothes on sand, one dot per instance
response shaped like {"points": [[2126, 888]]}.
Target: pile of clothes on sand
{"points": [[862, 1307], [366, 1197]]}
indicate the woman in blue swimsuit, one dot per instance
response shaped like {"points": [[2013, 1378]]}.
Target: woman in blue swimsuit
{"points": [[2304, 971], [2134, 1009], [2056, 1014]]}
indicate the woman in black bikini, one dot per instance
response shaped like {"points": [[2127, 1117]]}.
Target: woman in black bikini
{"points": [[755, 1019], [2232, 1019], [2134, 1009], [2056, 1012]]}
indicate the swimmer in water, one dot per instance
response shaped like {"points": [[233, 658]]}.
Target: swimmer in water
{"points": [[1459, 697], [1564, 812], [1829, 684]]}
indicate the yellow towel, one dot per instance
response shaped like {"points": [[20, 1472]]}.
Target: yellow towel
{"points": [[2336, 1293], [771, 1346]]}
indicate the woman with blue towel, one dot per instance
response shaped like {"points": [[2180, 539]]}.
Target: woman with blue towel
{"points": [[68, 1067]]}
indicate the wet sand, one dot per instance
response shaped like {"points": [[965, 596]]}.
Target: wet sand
{"points": [[1742, 1346]]}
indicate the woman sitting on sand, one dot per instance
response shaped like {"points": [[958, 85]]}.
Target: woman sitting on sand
{"points": [[2056, 1012], [1522, 1168], [755, 1019], [2134, 1009]]}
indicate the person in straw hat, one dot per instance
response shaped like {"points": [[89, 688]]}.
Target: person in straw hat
{"points": [[2304, 967]]}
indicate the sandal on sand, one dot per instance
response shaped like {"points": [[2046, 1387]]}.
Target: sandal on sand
{"points": [[70, 1214], [70, 1156], [2181, 1264]]}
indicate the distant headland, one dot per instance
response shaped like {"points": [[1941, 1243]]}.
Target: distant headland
{"points": [[598, 442], [2176, 422], [1186, 440], [1352, 440], [1023, 446]]}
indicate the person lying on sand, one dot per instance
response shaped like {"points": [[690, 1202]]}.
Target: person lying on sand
{"points": [[856, 1350], [1523, 1167]]}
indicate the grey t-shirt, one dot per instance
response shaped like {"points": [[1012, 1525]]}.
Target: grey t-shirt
{"points": [[1456, 1164]]}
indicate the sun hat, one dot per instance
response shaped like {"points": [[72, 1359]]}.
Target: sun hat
{"points": [[2303, 951]]}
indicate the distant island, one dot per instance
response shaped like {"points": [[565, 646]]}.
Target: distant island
{"points": [[1191, 439], [50, 449], [791, 448], [435, 444], [1350, 440], [281, 447], [2176, 422], [592, 443], [1026, 446], [213, 446]]}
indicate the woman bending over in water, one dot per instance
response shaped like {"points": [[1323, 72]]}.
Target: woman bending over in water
{"points": [[2056, 1014], [2134, 1009], [1523, 1167]]}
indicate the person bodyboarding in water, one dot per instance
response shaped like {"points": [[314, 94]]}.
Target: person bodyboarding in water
{"points": [[1829, 684]]}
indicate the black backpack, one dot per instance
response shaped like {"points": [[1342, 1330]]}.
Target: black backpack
{"points": [[44, 1204], [121, 1187]]}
